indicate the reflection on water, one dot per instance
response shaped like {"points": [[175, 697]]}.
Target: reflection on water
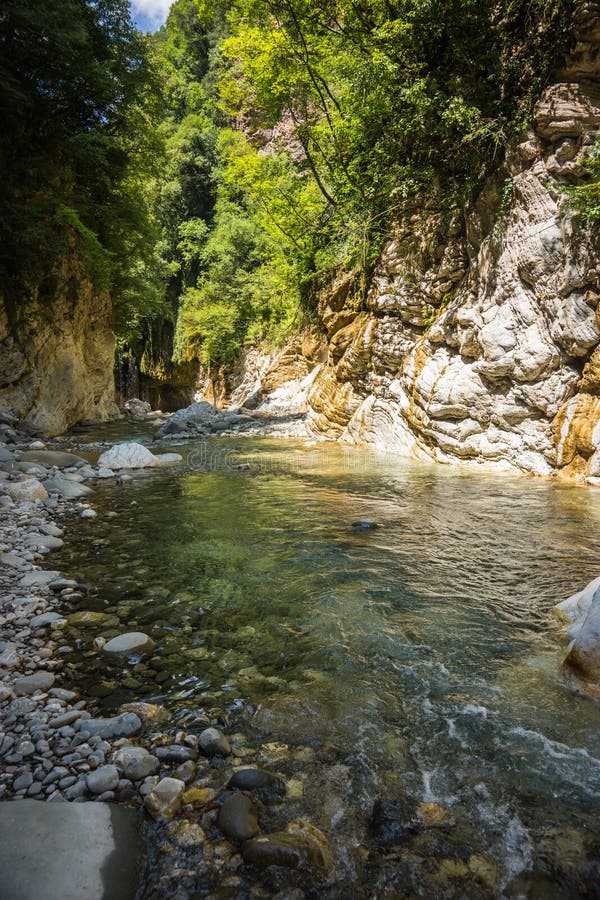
{"points": [[425, 648]]}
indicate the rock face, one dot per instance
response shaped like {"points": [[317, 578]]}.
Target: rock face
{"points": [[61, 368], [481, 339]]}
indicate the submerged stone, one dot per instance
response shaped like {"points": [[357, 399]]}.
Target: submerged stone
{"points": [[68, 489], [238, 818], [59, 458], [262, 784], [149, 713], [214, 743], [133, 643], [300, 845], [393, 821], [91, 618], [165, 799]]}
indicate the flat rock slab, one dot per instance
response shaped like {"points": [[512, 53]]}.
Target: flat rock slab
{"points": [[38, 577], [29, 684], [69, 851], [71, 490], [52, 458]]}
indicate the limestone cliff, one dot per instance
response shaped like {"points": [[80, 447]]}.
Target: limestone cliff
{"points": [[59, 369], [480, 337]]}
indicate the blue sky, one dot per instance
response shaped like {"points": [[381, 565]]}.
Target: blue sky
{"points": [[149, 15]]}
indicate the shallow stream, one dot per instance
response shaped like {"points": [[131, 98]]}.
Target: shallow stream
{"points": [[424, 649]]}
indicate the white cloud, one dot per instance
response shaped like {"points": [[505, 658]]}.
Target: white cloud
{"points": [[154, 11]]}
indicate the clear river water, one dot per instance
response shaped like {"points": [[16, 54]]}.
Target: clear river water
{"points": [[425, 649]]}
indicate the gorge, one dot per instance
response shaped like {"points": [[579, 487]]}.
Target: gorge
{"points": [[294, 297]]}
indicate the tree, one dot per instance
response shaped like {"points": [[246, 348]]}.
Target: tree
{"points": [[78, 96]]}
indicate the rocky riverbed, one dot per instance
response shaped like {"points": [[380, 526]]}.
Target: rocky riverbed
{"points": [[233, 803], [207, 791]]}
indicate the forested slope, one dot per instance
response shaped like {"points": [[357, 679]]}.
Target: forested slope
{"points": [[262, 167]]}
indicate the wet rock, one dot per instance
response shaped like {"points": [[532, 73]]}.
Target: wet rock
{"points": [[128, 455], [169, 459], [29, 684], [90, 618], [135, 762], [393, 821], [264, 785], [45, 619], [186, 771], [43, 540], [584, 652], [165, 799], [66, 488], [105, 778], [134, 643], [432, 815], [186, 834], [214, 743], [300, 845], [575, 608], [238, 818], [197, 796], [175, 753], [364, 525], [49, 458], [149, 713], [125, 725], [30, 489]]}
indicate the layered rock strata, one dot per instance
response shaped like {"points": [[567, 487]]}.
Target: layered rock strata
{"points": [[480, 338]]}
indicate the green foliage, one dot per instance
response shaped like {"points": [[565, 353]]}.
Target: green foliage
{"points": [[219, 171], [586, 197], [78, 96]]}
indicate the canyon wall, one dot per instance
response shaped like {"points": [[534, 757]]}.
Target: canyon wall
{"points": [[480, 337], [58, 369]]}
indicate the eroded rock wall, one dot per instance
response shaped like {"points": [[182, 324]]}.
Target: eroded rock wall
{"points": [[60, 368], [480, 336]]}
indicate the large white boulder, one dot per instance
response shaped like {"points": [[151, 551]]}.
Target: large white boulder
{"points": [[575, 608], [582, 611], [128, 456]]}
